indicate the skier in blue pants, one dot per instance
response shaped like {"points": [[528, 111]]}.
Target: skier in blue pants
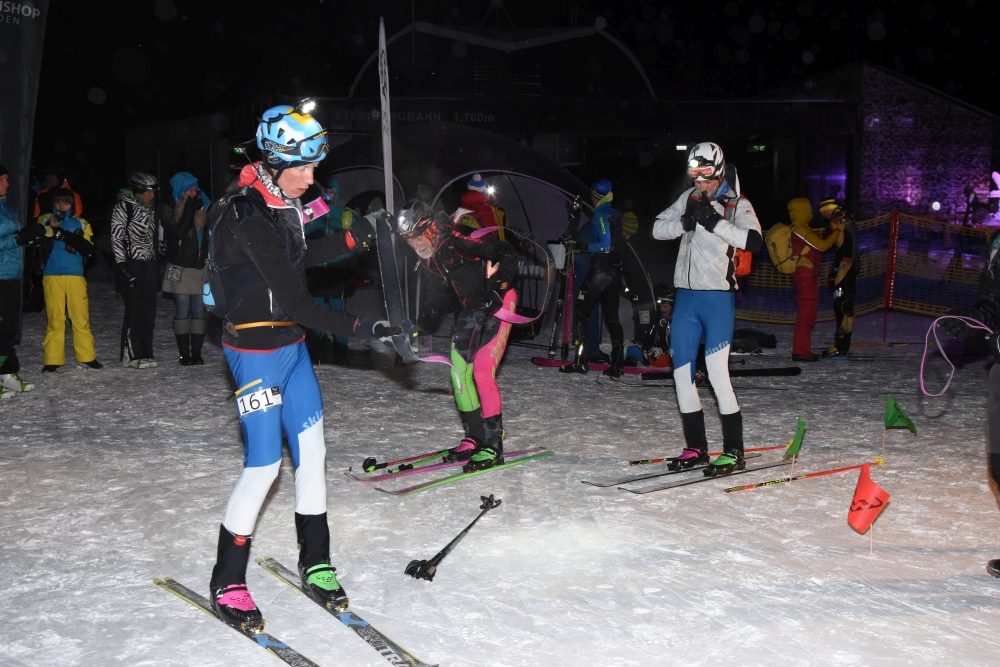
{"points": [[258, 285], [713, 221]]}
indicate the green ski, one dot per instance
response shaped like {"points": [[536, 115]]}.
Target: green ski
{"points": [[462, 475]]}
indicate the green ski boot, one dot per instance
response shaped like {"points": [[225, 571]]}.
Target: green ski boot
{"points": [[725, 464], [320, 582], [484, 458]]}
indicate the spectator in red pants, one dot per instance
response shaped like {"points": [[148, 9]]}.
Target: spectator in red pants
{"points": [[808, 248]]}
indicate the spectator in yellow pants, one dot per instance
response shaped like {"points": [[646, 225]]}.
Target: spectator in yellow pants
{"points": [[64, 285]]}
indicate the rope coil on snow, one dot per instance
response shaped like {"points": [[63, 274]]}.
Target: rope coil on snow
{"points": [[971, 322]]}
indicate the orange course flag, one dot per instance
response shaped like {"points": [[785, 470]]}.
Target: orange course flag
{"points": [[869, 500]]}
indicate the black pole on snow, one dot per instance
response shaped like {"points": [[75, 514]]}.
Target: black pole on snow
{"points": [[426, 569]]}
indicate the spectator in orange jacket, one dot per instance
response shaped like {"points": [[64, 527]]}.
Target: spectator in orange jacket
{"points": [[809, 248], [52, 180]]}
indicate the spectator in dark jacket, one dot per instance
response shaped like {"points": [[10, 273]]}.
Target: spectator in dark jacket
{"points": [[183, 218]]}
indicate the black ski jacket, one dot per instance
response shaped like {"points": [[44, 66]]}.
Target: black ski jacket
{"points": [[267, 244]]}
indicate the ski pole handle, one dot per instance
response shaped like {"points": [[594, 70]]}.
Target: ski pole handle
{"points": [[488, 504]]}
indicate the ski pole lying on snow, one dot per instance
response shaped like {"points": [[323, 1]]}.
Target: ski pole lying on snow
{"points": [[877, 462], [752, 449], [426, 569]]}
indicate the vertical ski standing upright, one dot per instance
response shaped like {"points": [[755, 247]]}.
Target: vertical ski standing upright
{"points": [[405, 343]]}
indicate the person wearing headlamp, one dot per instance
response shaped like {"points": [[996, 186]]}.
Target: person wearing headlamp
{"points": [[713, 220], [258, 256], [472, 278]]}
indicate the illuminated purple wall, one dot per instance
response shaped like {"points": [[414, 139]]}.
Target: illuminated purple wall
{"points": [[917, 148]]}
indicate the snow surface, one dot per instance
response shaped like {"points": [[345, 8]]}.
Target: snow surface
{"points": [[111, 478]]}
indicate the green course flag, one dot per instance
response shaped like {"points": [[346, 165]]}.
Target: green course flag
{"points": [[895, 417], [796, 443]]}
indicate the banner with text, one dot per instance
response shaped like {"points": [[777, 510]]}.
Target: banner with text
{"points": [[22, 37]]}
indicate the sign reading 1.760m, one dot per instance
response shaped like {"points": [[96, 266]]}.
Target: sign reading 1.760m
{"points": [[473, 117]]}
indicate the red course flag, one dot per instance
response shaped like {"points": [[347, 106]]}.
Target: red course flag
{"points": [[869, 500]]}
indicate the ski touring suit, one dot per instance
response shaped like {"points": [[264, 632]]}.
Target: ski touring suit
{"points": [[472, 278], [261, 255], [705, 304]]}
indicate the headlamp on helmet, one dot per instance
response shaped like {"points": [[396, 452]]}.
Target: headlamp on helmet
{"points": [[305, 107], [705, 161]]}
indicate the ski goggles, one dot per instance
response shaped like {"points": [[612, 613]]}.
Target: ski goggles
{"points": [[701, 173], [408, 224]]}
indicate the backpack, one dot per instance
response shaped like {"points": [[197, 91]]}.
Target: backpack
{"points": [[778, 240], [468, 218], [224, 289], [742, 259]]}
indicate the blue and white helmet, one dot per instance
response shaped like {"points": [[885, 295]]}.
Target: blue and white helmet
{"points": [[290, 137], [705, 161]]}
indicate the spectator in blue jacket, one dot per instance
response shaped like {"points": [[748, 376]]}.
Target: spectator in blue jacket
{"points": [[64, 284], [11, 264], [596, 245]]}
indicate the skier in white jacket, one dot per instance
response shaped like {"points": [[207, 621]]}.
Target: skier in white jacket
{"points": [[713, 221]]}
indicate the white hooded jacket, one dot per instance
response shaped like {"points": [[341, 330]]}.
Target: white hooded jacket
{"points": [[705, 260]]}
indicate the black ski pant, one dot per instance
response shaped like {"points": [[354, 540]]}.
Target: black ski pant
{"points": [[843, 309], [140, 310], [10, 324], [993, 422], [602, 286]]}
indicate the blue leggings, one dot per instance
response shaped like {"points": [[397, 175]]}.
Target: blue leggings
{"points": [[710, 315], [300, 416]]}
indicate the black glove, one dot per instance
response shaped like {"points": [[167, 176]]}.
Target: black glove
{"points": [[831, 278], [367, 326], [688, 222], [958, 328], [127, 272], [573, 245], [993, 343], [707, 216], [194, 203], [362, 231], [30, 232], [493, 302]]}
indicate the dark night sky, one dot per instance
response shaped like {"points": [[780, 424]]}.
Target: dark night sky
{"points": [[109, 67]]}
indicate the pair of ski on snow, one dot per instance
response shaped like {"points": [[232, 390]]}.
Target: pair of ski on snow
{"points": [[387, 648], [791, 450], [411, 466]]}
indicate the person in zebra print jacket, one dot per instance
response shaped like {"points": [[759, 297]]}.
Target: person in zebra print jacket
{"points": [[133, 228]]}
